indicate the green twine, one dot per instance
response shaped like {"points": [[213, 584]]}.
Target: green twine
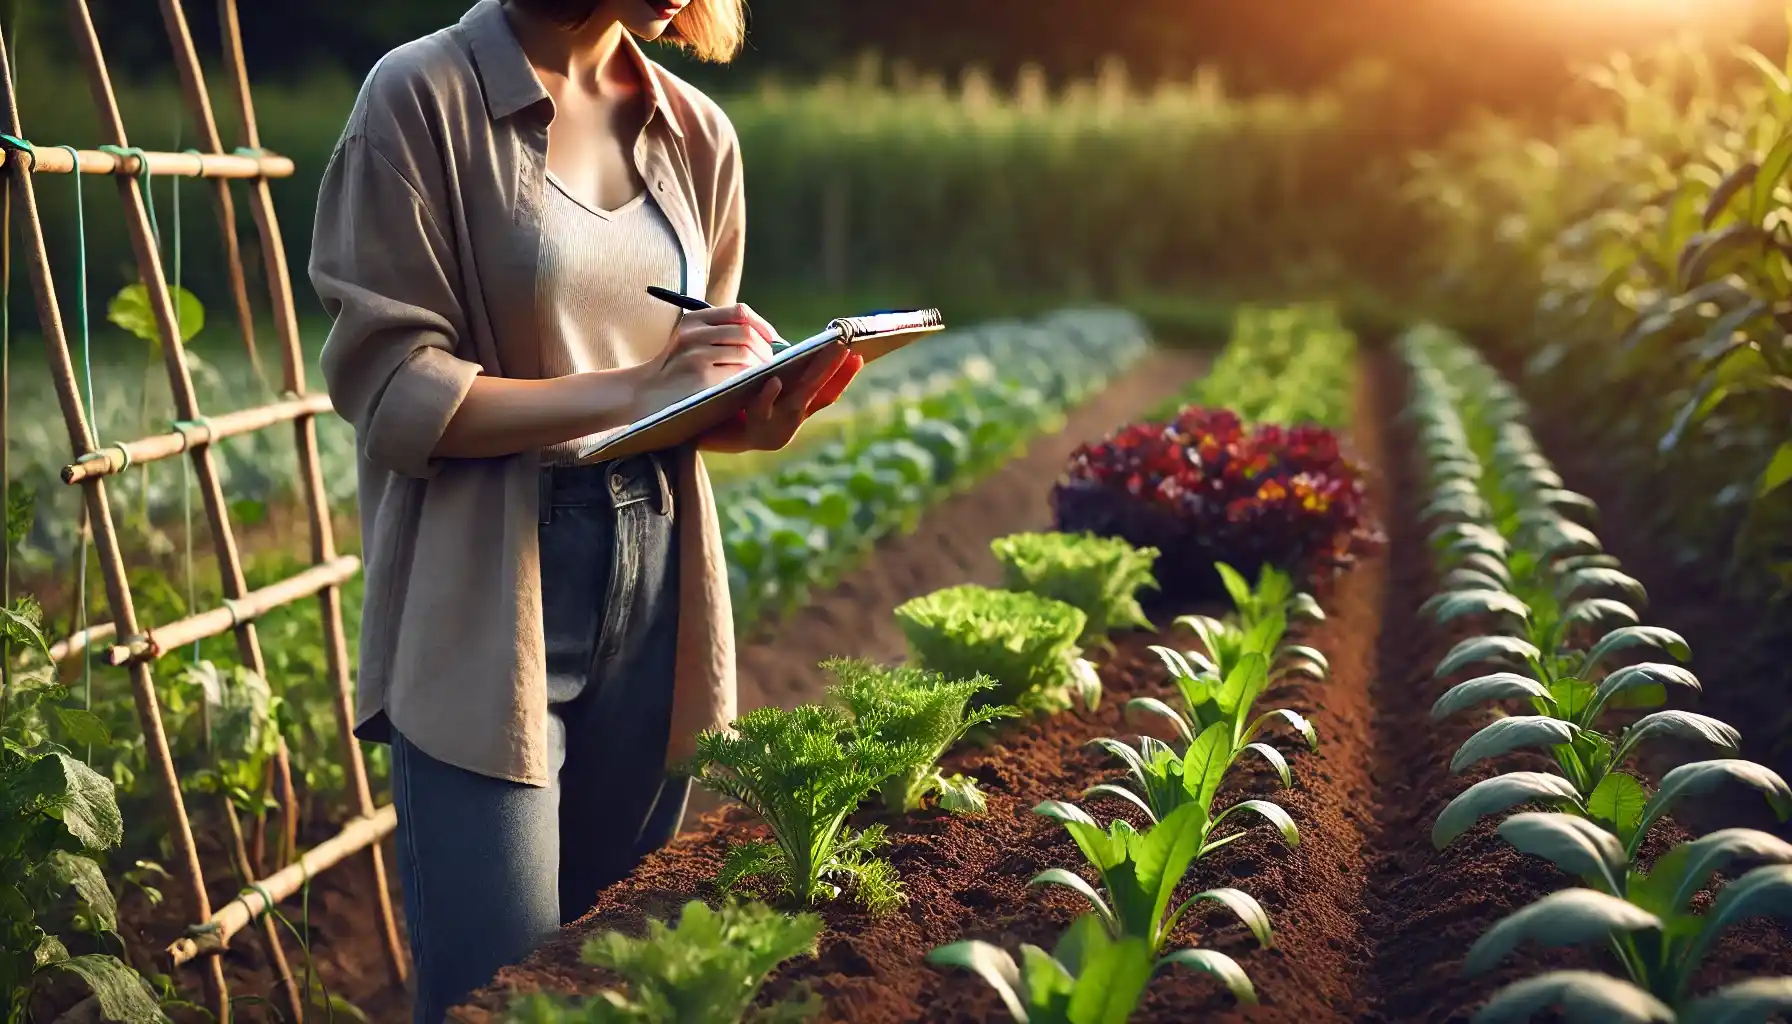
{"points": [[143, 179], [93, 428]]}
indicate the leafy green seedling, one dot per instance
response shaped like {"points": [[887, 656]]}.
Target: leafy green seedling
{"points": [[802, 771], [914, 707], [707, 970], [1140, 870], [1088, 978]]}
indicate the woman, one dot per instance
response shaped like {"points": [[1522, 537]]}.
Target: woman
{"points": [[539, 640]]}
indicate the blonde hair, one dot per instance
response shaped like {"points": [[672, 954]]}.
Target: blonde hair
{"points": [[711, 30]]}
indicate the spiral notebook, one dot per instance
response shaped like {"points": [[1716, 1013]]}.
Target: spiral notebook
{"points": [[872, 336]]}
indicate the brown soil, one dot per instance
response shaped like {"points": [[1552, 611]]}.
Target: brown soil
{"points": [[778, 665], [1371, 922]]}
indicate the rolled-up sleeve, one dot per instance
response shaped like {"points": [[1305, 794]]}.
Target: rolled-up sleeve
{"points": [[385, 272]]}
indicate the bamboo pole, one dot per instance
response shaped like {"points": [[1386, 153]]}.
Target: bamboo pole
{"points": [[118, 457], [234, 613], [118, 591], [180, 383], [358, 835], [45, 160], [73, 645], [323, 544]]}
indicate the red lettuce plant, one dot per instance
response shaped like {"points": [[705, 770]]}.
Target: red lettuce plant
{"points": [[1204, 488]]}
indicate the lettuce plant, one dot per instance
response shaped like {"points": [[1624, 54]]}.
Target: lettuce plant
{"points": [[1140, 870], [706, 970], [1099, 576], [1025, 642], [802, 771], [911, 706], [1089, 977]]}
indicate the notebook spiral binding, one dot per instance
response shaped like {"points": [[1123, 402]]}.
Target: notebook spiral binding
{"points": [[873, 324]]}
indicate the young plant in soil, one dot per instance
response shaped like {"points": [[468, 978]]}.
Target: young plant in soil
{"points": [[707, 970], [1140, 870], [1099, 576], [1089, 977], [931, 712], [1025, 642], [1644, 918], [803, 771]]}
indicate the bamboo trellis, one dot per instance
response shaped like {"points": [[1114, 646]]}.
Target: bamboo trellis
{"points": [[126, 642]]}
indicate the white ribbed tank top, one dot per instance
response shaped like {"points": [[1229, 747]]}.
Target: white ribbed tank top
{"points": [[591, 290]]}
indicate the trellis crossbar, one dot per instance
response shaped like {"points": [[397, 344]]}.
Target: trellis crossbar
{"points": [[190, 165]]}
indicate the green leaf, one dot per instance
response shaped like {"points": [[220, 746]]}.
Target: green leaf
{"points": [[1581, 997], [1652, 676], [1110, 981], [1570, 842], [1763, 892], [1509, 734], [1745, 1002], [121, 992], [1490, 796], [1461, 578], [1778, 471], [1618, 801], [1204, 764], [69, 871], [992, 964], [1237, 587], [1701, 777], [1628, 638], [1773, 170], [1275, 759], [1272, 813], [1600, 580], [1570, 917], [1079, 885], [21, 512], [82, 728], [1220, 966], [130, 309], [1594, 610], [959, 794], [1679, 874], [1682, 725], [1732, 185], [1478, 650], [60, 787], [1498, 686], [1451, 605]]}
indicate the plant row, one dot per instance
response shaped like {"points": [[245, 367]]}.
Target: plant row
{"points": [[956, 409], [1282, 364], [1558, 633], [978, 655]]}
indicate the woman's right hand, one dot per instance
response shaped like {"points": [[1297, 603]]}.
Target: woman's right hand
{"points": [[708, 347]]}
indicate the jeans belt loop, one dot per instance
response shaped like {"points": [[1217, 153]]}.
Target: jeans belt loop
{"points": [[545, 489], [659, 472]]}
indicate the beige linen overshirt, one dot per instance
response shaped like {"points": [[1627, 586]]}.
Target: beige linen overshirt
{"points": [[425, 254]]}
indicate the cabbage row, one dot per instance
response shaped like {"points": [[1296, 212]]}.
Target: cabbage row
{"points": [[1559, 638], [947, 412]]}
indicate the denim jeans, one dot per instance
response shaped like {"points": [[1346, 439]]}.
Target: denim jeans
{"points": [[491, 867]]}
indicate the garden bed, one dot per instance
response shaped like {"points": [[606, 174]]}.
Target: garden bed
{"points": [[1371, 922], [777, 666]]}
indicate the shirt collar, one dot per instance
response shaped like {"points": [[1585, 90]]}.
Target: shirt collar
{"points": [[510, 81]]}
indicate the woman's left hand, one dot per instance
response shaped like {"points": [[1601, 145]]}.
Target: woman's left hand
{"points": [[774, 416]]}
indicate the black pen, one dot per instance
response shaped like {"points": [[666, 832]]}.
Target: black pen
{"points": [[691, 304]]}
